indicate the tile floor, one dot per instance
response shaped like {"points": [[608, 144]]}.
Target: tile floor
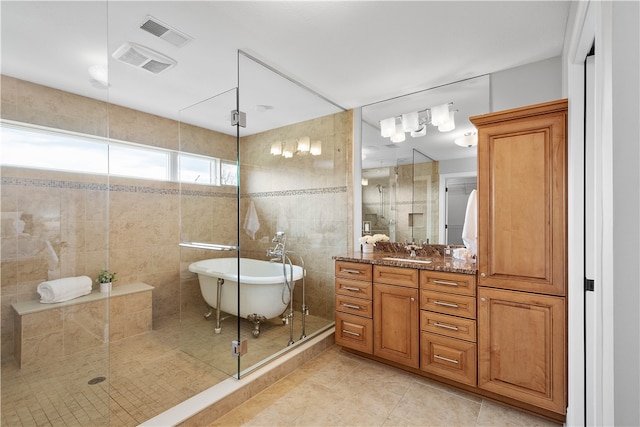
{"points": [[144, 375], [340, 389]]}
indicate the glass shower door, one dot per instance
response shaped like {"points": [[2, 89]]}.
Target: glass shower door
{"points": [[293, 198], [209, 247]]}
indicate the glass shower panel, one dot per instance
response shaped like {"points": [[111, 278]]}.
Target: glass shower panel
{"points": [[294, 163], [209, 255], [54, 220]]}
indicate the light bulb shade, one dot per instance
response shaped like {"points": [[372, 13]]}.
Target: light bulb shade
{"points": [[447, 125], [421, 132], [388, 127], [289, 149], [316, 148], [468, 140], [439, 114], [410, 122], [304, 144], [276, 148], [365, 181], [399, 135]]}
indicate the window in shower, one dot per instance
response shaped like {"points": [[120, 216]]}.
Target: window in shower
{"points": [[25, 145]]}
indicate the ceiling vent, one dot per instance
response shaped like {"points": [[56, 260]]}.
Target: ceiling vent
{"points": [[143, 57], [165, 32]]}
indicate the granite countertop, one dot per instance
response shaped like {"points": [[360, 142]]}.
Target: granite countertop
{"points": [[428, 257]]}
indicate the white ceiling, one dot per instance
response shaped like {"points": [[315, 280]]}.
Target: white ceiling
{"points": [[353, 53]]}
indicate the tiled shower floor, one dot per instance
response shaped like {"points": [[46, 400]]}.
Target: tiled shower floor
{"points": [[144, 375]]}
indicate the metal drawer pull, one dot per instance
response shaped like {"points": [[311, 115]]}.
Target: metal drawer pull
{"points": [[353, 306], [442, 282], [346, 270], [344, 331], [446, 304], [441, 325], [435, 356], [350, 288]]}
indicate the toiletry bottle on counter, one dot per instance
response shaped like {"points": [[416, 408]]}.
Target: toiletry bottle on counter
{"points": [[448, 252]]}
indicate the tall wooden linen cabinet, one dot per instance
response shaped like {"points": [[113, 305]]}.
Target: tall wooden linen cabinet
{"points": [[522, 254]]}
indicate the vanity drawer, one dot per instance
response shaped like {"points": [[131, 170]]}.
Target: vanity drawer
{"points": [[354, 332], [451, 326], [456, 305], [448, 357], [354, 270], [351, 305], [455, 283], [400, 276], [354, 288]]}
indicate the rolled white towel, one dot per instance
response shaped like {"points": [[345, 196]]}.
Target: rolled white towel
{"points": [[64, 289]]}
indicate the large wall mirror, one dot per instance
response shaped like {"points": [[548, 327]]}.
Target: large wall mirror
{"points": [[416, 180]]}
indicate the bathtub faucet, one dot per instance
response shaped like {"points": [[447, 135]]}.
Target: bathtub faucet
{"points": [[280, 239]]}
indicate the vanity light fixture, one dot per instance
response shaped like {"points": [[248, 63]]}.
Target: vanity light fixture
{"points": [[302, 146], [276, 148], [388, 127], [365, 181], [289, 149], [316, 148], [447, 125], [470, 139], [410, 122], [440, 116]]}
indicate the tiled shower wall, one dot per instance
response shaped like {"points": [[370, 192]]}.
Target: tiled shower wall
{"points": [[134, 226], [305, 196]]}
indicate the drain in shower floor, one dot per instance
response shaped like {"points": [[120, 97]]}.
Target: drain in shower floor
{"points": [[96, 380]]}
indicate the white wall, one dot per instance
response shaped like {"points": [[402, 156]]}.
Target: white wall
{"points": [[469, 164], [625, 78], [526, 85], [516, 87], [613, 368]]}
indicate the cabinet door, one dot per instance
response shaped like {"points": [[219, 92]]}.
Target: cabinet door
{"points": [[396, 324], [354, 332], [521, 347], [522, 199], [449, 358]]}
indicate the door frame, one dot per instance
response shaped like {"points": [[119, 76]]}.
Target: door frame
{"points": [[442, 199], [592, 21]]}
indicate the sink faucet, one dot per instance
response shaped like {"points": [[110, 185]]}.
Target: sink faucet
{"points": [[412, 248]]}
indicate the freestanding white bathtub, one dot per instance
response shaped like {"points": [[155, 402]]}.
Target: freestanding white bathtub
{"points": [[263, 293]]}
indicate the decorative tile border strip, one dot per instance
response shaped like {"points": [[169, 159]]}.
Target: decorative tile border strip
{"points": [[51, 183], [302, 192], [74, 185]]}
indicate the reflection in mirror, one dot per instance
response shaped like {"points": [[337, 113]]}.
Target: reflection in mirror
{"points": [[407, 205], [423, 218], [456, 195]]}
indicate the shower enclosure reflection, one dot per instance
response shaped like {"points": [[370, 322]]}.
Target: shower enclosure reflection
{"points": [[401, 191]]}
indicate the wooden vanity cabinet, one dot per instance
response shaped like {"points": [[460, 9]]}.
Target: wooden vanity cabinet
{"points": [[448, 325], [396, 314], [354, 306], [522, 254], [522, 199], [522, 350]]}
